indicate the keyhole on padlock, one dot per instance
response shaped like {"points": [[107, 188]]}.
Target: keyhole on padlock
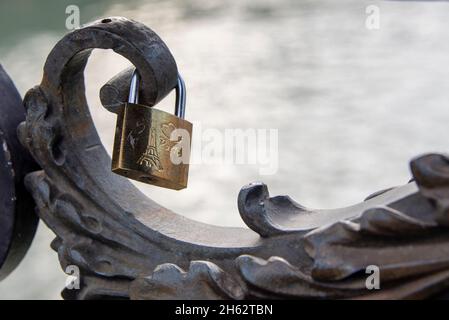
{"points": [[147, 179]]}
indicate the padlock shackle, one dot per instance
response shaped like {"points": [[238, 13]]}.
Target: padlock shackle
{"points": [[133, 96], [180, 107]]}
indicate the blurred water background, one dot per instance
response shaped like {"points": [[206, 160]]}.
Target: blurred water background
{"points": [[352, 105]]}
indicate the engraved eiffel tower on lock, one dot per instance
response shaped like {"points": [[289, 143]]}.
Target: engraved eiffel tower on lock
{"points": [[150, 158], [137, 152]]}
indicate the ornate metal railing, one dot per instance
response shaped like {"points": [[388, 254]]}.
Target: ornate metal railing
{"points": [[128, 246]]}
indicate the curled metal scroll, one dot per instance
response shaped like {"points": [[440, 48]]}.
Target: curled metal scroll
{"points": [[128, 246]]}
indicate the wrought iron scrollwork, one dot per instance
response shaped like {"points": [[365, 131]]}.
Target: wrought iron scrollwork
{"points": [[128, 246]]}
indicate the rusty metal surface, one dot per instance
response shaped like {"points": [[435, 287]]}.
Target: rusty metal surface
{"points": [[18, 222], [158, 70]]}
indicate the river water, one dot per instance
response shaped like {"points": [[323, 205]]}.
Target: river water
{"points": [[352, 105]]}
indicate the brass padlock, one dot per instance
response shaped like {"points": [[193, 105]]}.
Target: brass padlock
{"points": [[146, 147]]}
